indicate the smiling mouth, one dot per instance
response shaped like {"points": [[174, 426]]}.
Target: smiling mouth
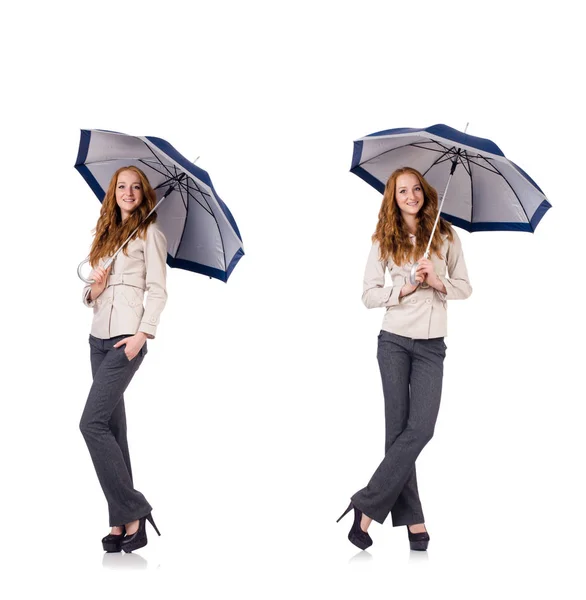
{"points": [[412, 203], [125, 200]]}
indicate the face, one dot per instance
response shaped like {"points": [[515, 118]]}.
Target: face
{"points": [[408, 194], [128, 193]]}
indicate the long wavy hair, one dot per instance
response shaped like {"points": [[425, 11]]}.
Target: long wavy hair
{"points": [[391, 232], [111, 231]]}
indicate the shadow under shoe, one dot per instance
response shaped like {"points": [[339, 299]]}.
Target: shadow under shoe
{"points": [[418, 541], [139, 538], [356, 535]]}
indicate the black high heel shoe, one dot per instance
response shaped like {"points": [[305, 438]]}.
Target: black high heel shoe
{"points": [[356, 535], [111, 543], [139, 538], [418, 541]]}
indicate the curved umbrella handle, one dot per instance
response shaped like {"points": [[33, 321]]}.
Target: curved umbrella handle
{"points": [[79, 271]]}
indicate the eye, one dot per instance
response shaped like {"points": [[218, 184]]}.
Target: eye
{"points": [[120, 185]]}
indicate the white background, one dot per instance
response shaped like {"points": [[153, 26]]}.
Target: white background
{"points": [[259, 410]]}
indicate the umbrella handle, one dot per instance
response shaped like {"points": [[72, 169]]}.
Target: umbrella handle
{"points": [[413, 273], [79, 271], [105, 266]]}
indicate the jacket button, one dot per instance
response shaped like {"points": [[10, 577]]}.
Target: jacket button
{"points": [[428, 301], [153, 320], [413, 300]]}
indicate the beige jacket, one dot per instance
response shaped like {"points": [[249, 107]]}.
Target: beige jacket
{"points": [[423, 313], [119, 309]]}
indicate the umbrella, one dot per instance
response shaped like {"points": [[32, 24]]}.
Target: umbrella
{"points": [[489, 191], [202, 235]]}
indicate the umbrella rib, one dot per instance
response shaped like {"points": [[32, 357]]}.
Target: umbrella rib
{"points": [[185, 188], [203, 194], [157, 158], [165, 166], [406, 146], [464, 165], [174, 178], [216, 220], [171, 177], [469, 171], [435, 162], [209, 211], [218, 227], [447, 157], [512, 189], [186, 218], [185, 202], [492, 170]]}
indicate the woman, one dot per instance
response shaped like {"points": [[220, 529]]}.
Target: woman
{"points": [[411, 347], [120, 328]]}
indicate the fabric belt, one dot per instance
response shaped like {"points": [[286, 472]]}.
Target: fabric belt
{"points": [[122, 279]]}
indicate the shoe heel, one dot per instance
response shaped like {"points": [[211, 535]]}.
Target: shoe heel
{"points": [[345, 512], [152, 522]]}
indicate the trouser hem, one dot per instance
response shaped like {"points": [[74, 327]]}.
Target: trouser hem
{"points": [[378, 517], [408, 521], [129, 517]]}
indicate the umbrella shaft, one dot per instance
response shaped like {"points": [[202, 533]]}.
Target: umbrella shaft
{"points": [[439, 210]]}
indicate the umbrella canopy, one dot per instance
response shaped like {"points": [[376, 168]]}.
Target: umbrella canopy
{"points": [[201, 233], [488, 192]]}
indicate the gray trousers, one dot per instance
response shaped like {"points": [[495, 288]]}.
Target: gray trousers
{"points": [[412, 373], [103, 425]]}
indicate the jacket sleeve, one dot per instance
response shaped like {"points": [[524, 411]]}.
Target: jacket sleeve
{"points": [[457, 286], [155, 257], [375, 294], [84, 298]]}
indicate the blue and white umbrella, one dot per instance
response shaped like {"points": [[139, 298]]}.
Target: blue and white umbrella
{"points": [[489, 192], [201, 233]]}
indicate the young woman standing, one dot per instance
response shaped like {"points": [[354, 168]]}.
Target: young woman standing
{"points": [[411, 348], [120, 328]]}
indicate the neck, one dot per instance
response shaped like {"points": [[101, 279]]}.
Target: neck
{"points": [[411, 223]]}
